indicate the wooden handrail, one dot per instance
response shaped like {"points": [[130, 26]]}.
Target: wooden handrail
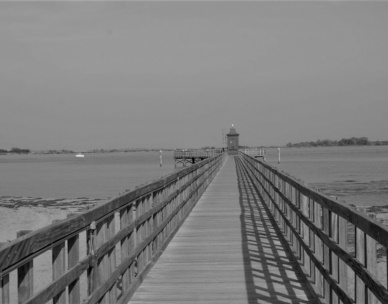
{"points": [[149, 217], [315, 226]]}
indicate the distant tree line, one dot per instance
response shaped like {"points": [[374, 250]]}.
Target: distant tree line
{"points": [[15, 151], [353, 141]]}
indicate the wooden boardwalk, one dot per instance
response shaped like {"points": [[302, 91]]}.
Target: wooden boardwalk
{"points": [[227, 251]]}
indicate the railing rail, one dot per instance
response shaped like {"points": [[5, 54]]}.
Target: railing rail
{"points": [[315, 227], [115, 262]]}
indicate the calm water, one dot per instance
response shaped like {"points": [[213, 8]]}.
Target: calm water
{"points": [[358, 175], [65, 176]]}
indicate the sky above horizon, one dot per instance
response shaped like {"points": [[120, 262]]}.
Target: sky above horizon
{"points": [[88, 75]]}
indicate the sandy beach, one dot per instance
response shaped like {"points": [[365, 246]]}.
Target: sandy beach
{"points": [[27, 213]]}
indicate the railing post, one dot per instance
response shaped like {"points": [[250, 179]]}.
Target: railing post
{"points": [[342, 240], [318, 247], [111, 256], [125, 218], [4, 289], [371, 262], [102, 269], [313, 273], [360, 246], [296, 224], [25, 276], [73, 258], [334, 234], [326, 253], [306, 234], [59, 268]]}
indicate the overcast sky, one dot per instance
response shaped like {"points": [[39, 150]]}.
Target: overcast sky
{"points": [[167, 74]]}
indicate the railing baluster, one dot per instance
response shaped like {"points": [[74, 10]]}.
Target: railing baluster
{"points": [[306, 233], [111, 256], [318, 247], [326, 253], [25, 276], [125, 215], [73, 258], [334, 230], [371, 261], [342, 241], [313, 274], [4, 289], [103, 262], [360, 255], [90, 247], [59, 267]]}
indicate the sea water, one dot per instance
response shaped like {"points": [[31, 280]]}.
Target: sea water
{"points": [[357, 175], [98, 175]]}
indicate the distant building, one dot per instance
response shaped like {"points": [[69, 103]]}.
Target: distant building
{"points": [[232, 140]]}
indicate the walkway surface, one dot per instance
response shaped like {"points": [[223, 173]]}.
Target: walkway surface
{"points": [[227, 251]]}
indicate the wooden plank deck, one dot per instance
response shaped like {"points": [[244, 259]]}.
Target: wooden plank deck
{"points": [[227, 251]]}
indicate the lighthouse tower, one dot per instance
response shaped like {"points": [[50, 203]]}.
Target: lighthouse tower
{"points": [[232, 140]]}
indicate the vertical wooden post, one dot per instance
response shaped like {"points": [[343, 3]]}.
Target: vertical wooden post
{"points": [[318, 247], [124, 222], [103, 263], [326, 253], [59, 268], [91, 247], [133, 242], [342, 240], [360, 255], [111, 256], [73, 259], [334, 229], [371, 261], [306, 234], [312, 240], [25, 276], [4, 289]]}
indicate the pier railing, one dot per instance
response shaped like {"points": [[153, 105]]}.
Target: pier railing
{"points": [[256, 153], [317, 228], [123, 239], [201, 153]]}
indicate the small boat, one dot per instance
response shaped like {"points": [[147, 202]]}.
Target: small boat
{"points": [[79, 155]]}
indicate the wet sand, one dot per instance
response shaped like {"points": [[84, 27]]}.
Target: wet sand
{"points": [[27, 213]]}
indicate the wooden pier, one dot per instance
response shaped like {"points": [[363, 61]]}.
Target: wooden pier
{"points": [[227, 251], [228, 229]]}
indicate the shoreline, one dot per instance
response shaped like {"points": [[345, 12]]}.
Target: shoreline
{"points": [[28, 213]]}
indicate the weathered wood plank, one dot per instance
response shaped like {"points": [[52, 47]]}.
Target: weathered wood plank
{"points": [[25, 275], [225, 251], [58, 269], [73, 259], [4, 289]]}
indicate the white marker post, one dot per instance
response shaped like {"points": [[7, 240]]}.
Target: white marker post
{"points": [[279, 156], [161, 159]]}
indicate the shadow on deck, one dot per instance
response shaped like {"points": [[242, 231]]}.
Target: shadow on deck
{"points": [[271, 275]]}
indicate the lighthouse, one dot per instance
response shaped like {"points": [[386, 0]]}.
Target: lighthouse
{"points": [[232, 140]]}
